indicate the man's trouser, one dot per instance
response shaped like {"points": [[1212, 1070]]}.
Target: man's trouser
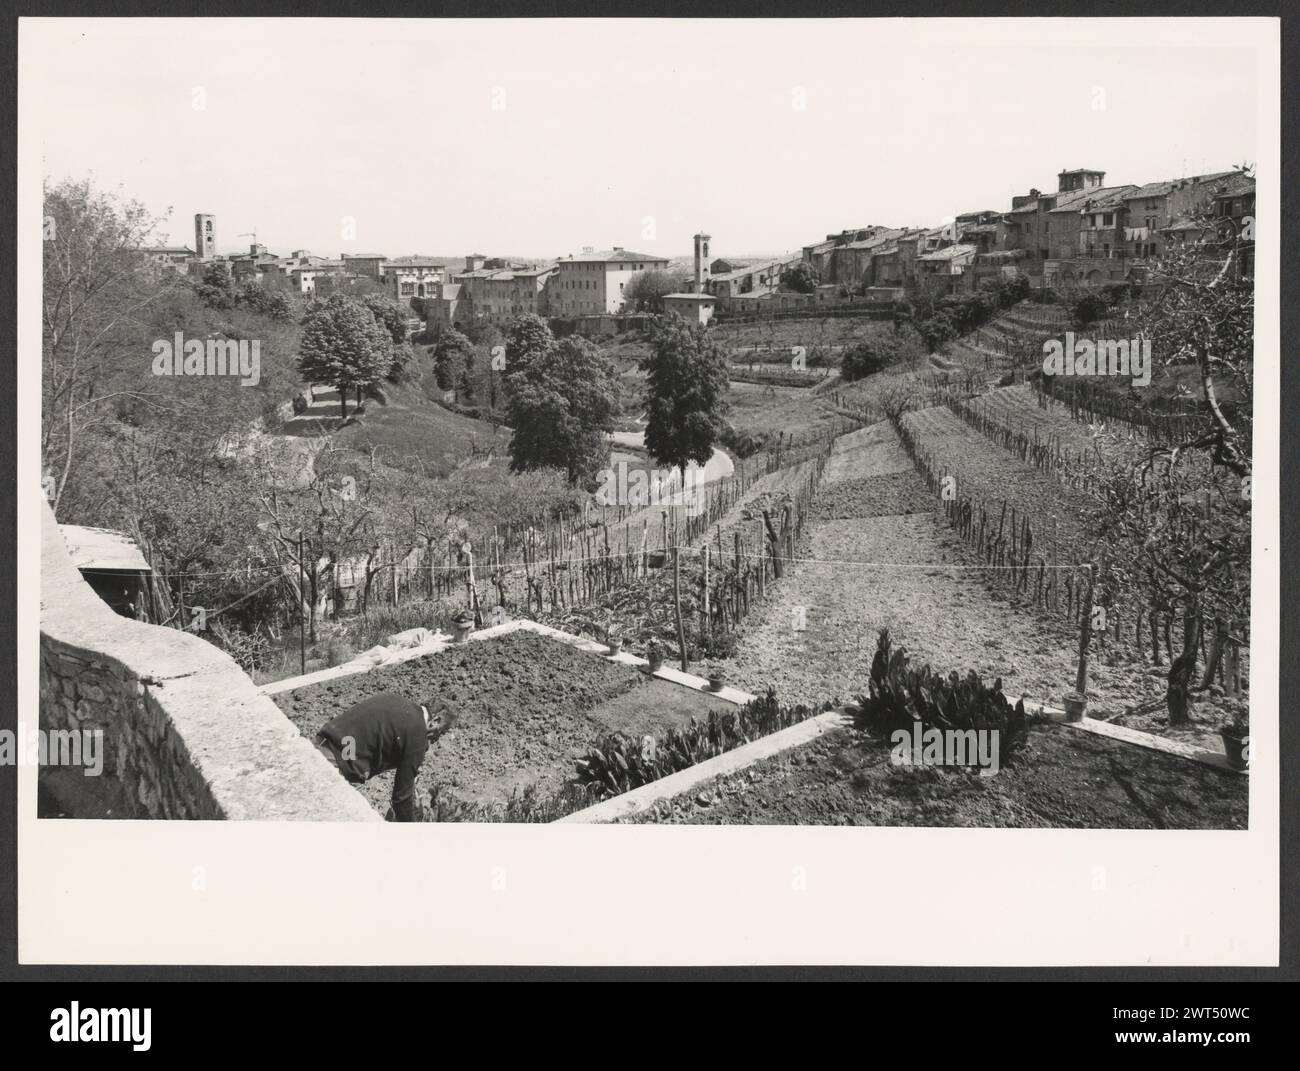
{"points": [[326, 748]]}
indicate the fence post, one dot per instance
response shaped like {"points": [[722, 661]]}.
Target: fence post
{"points": [[708, 620], [1085, 634], [677, 604]]}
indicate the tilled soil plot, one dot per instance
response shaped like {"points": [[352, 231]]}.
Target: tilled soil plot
{"points": [[1065, 779], [895, 494], [989, 472], [526, 706], [657, 707], [870, 451]]}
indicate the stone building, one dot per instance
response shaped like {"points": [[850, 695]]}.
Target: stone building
{"points": [[205, 235], [592, 283], [411, 277]]}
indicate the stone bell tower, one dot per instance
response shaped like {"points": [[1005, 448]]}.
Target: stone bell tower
{"points": [[701, 262]]}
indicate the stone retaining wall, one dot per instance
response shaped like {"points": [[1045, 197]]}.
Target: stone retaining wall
{"points": [[186, 732]]}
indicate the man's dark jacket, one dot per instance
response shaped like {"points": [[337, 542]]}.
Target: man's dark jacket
{"points": [[384, 732]]}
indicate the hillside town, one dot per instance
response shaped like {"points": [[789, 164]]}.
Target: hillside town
{"points": [[1085, 234]]}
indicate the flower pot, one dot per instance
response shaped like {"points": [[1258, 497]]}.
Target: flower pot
{"points": [[1076, 706], [715, 682], [1235, 744], [655, 664], [461, 629], [614, 646]]}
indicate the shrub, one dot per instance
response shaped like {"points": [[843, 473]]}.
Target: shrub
{"points": [[864, 359], [252, 651], [744, 443], [710, 644], [380, 622], [937, 331], [1089, 308]]}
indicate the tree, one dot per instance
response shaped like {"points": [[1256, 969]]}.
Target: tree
{"points": [[268, 298], [561, 405], [686, 377], [449, 354], [216, 288], [1186, 506], [343, 345], [98, 292], [465, 381], [937, 331], [389, 315], [863, 359], [803, 278], [528, 339], [402, 368], [645, 291]]}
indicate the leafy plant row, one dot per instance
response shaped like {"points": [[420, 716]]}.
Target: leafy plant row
{"points": [[618, 763]]}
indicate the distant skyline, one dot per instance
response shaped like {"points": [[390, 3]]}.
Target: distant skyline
{"points": [[537, 138]]}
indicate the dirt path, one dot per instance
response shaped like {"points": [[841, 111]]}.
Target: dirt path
{"points": [[881, 557]]}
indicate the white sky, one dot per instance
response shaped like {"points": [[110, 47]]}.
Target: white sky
{"points": [[605, 123]]}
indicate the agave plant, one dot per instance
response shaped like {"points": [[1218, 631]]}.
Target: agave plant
{"points": [[899, 695]]}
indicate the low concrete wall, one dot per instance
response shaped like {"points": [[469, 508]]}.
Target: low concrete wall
{"points": [[186, 732]]}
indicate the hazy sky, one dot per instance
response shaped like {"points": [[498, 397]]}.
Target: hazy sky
{"points": [[536, 138]]}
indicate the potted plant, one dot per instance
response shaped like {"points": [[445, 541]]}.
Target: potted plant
{"points": [[462, 624], [716, 678], [614, 639], [654, 654], [1236, 740], [1076, 706]]}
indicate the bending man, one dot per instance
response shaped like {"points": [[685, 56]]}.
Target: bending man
{"points": [[382, 733]]}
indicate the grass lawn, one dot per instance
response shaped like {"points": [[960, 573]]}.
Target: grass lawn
{"points": [[412, 431]]}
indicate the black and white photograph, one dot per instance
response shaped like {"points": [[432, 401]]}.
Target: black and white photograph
{"points": [[492, 424]]}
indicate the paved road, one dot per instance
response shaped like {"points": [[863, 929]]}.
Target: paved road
{"points": [[718, 467]]}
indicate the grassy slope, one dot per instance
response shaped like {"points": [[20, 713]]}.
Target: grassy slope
{"points": [[412, 427]]}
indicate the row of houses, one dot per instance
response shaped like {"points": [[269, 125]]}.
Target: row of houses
{"points": [[1084, 234]]}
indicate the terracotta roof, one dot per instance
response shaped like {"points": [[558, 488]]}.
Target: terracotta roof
{"points": [[616, 256], [1234, 184], [415, 262], [1160, 189], [949, 253], [1074, 200]]}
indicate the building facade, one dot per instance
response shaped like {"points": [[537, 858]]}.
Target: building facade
{"points": [[405, 278], [593, 283]]}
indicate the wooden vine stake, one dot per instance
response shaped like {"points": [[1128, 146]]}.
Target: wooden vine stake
{"points": [[677, 603], [1085, 633]]}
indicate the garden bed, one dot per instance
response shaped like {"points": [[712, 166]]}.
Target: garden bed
{"points": [[529, 707], [1065, 779]]}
